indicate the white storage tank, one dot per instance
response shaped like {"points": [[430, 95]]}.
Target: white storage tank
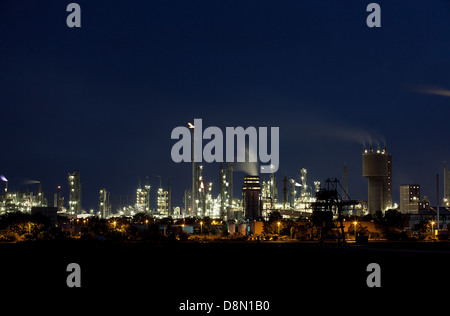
{"points": [[232, 228], [242, 229]]}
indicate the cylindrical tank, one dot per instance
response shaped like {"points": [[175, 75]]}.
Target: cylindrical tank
{"points": [[377, 168], [242, 229], [375, 199], [231, 228], [375, 165]]}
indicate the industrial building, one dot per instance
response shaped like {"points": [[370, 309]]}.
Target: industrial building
{"points": [[163, 202], [251, 197], [163, 199], [187, 200], [60, 200], [21, 202], [143, 197], [259, 195], [377, 168], [104, 204], [227, 204], [409, 198], [74, 193]]}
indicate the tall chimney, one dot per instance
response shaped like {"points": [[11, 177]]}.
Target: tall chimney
{"points": [[437, 201]]}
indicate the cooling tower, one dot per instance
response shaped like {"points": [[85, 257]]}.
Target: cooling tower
{"points": [[377, 168]]}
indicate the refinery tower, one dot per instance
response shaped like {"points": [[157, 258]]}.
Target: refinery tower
{"points": [[377, 168], [251, 197]]}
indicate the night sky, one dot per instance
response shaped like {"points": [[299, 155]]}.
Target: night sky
{"points": [[105, 97]]}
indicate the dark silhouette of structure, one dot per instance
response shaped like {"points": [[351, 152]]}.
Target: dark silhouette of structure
{"points": [[329, 204]]}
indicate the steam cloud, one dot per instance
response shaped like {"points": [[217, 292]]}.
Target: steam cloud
{"points": [[250, 168], [31, 181], [433, 91]]}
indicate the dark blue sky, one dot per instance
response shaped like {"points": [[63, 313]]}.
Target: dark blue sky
{"points": [[105, 97]]}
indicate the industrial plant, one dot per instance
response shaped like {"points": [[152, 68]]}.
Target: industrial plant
{"points": [[259, 197]]}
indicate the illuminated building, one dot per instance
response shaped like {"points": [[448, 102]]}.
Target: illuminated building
{"points": [[60, 204], [307, 196], [223, 190], [377, 168], [266, 198], [187, 199], [304, 186], [200, 202], [409, 198], [163, 202], [446, 186], [147, 197], [104, 204], [20, 202], [140, 198], [74, 193], [273, 189], [230, 183], [293, 193], [209, 203]]}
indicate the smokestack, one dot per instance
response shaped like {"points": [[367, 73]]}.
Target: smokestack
{"points": [[446, 191], [59, 199], [168, 196], [437, 201], [304, 189], [230, 183], [193, 193], [284, 192], [3, 178], [40, 195], [274, 190]]}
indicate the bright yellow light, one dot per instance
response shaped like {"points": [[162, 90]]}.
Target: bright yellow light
{"points": [[432, 223], [190, 125], [354, 223], [278, 223]]}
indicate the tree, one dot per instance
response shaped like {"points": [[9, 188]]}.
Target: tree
{"points": [[391, 223], [275, 216], [271, 226], [140, 217], [421, 229], [323, 221], [360, 230]]}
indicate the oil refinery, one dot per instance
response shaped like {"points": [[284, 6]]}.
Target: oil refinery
{"points": [[257, 199], [260, 195]]}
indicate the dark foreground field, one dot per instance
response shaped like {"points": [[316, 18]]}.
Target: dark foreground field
{"points": [[293, 277]]}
